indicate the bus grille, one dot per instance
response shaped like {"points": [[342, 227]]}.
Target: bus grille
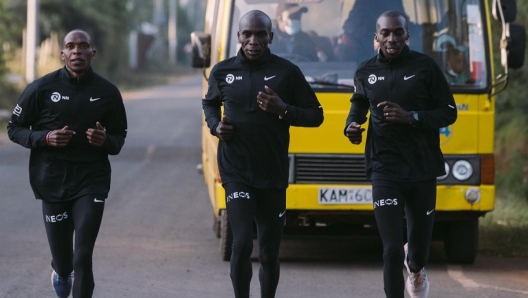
{"points": [[327, 169]]}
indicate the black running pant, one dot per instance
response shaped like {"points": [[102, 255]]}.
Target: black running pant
{"points": [[393, 200], [266, 208], [82, 216]]}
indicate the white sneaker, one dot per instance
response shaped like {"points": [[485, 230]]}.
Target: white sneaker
{"points": [[417, 284]]}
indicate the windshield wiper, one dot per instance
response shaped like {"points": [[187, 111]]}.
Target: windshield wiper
{"points": [[328, 79], [331, 84]]}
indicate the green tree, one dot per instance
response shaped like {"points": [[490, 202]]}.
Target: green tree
{"points": [[511, 122], [107, 21], [9, 36]]}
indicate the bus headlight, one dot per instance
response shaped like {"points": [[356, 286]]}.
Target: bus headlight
{"points": [[446, 165], [472, 195], [462, 170]]}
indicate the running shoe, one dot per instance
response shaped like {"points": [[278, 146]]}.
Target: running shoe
{"points": [[417, 284], [61, 285]]}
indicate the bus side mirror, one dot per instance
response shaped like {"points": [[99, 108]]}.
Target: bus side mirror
{"points": [[201, 49], [513, 46], [509, 10]]}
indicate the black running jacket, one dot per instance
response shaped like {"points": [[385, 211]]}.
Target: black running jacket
{"points": [[53, 102], [396, 151], [258, 153]]}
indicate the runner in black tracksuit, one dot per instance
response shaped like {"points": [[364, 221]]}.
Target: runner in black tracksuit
{"points": [[72, 181], [403, 157], [253, 163]]}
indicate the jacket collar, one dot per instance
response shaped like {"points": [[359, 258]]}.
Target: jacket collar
{"points": [[80, 81], [253, 63], [404, 53]]}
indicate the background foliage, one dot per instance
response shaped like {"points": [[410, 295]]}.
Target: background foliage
{"points": [[109, 23], [503, 231], [511, 125]]}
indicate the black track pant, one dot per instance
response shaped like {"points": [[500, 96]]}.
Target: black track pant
{"points": [[266, 208], [393, 200], [82, 215]]}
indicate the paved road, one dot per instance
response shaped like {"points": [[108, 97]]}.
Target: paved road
{"points": [[156, 238]]}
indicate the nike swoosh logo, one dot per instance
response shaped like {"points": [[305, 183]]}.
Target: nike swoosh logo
{"points": [[98, 201], [269, 78], [281, 214], [94, 99], [405, 78], [430, 211]]}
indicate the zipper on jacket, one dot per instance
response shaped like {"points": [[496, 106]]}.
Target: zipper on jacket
{"points": [[391, 69], [251, 90]]}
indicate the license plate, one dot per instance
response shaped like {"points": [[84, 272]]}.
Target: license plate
{"points": [[359, 195]]}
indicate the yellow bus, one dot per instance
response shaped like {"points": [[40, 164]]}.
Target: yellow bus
{"points": [[328, 192]]}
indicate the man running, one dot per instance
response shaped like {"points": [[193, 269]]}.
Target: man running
{"points": [[408, 106], [71, 119], [262, 95]]}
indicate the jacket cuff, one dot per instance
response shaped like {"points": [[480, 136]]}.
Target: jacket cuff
{"points": [[291, 113], [213, 129]]}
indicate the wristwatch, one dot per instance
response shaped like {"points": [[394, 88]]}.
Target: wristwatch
{"points": [[415, 117]]}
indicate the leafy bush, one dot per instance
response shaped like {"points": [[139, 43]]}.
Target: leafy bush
{"points": [[511, 133], [501, 231]]}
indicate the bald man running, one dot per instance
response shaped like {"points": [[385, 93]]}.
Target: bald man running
{"points": [[71, 119], [259, 109]]}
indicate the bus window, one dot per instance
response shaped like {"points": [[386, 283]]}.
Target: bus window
{"points": [[327, 39], [452, 33]]}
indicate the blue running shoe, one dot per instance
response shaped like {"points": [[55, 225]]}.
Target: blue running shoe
{"points": [[61, 285]]}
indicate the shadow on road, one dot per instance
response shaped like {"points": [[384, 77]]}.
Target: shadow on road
{"points": [[341, 250]]}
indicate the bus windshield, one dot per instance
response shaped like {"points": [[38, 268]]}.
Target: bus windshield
{"points": [[328, 39]]}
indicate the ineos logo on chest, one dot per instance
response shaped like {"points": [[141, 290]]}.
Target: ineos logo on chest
{"points": [[230, 78], [55, 97], [373, 79]]}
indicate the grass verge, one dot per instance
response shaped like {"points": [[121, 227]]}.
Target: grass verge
{"points": [[503, 232]]}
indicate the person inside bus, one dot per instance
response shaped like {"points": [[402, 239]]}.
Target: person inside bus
{"points": [[351, 45], [456, 65], [289, 39]]}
